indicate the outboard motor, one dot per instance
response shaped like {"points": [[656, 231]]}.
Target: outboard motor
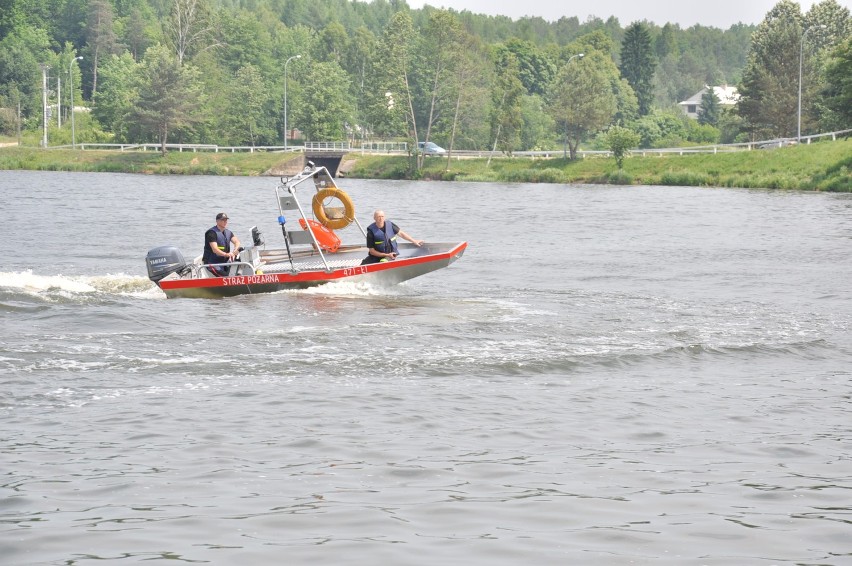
{"points": [[164, 261], [256, 237]]}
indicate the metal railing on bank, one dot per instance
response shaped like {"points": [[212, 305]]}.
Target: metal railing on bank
{"points": [[401, 148], [179, 147], [747, 146], [715, 148]]}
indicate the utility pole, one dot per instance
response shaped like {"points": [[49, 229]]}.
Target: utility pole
{"points": [[71, 94], [44, 69], [58, 101]]}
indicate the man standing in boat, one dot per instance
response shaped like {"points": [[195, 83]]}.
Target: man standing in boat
{"points": [[220, 246], [381, 239]]}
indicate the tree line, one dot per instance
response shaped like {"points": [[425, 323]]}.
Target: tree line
{"points": [[223, 72]]}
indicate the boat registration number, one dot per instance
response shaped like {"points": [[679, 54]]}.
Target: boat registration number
{"points": [[249, 280], [350, 271]]}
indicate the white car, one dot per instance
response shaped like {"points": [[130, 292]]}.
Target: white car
{"points": [[429, 148]]}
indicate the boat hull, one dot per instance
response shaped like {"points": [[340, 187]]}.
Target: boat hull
{"points": [[414, 262]]}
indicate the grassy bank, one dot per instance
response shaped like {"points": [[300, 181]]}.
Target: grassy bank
{"points": [[825, 166], [148, 162]]}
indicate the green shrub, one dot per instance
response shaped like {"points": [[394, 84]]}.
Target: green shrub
{"points": [[704, 134], [548, 175], [685, 178], [619, 140], [619, 178], [8, 122]]}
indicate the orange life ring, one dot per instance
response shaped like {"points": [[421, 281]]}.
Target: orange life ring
{"points": [[327, 239], [319, 208]]}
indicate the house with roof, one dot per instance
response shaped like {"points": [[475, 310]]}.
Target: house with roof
{"points": [[727, 95]]}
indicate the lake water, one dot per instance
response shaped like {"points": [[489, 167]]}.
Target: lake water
{"points": [[610, 375]]}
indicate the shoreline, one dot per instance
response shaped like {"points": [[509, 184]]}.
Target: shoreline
{"points": [[822, 166]]}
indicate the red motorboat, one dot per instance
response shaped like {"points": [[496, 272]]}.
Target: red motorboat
{"points": [[313, 255]]}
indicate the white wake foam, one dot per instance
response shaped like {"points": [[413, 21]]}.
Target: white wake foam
{"points": [[352, 289], [116, 284]]}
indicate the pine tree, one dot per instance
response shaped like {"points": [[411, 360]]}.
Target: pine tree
{"points": [[638, 64], [168, 95], [708, 112]]}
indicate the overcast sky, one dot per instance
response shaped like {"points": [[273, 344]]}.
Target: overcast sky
{"points": [[717, 13]]}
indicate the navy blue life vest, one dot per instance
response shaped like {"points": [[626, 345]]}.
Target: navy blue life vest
{"points": [[223, 242], [383, 240]]}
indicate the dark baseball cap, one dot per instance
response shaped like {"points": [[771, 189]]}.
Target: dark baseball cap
{"points": [[221, 216]]}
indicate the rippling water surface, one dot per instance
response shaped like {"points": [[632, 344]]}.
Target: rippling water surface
{"points": [[610, 375]]}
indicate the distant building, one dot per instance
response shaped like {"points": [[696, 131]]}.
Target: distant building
{"points": [[727, 95]]}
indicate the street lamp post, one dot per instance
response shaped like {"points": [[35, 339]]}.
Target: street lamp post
{"points": [[71, 93], [286, 131], [801, 54]]}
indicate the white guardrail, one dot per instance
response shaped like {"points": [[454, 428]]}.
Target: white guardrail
{"points": [[383, 147], [180, 147]]}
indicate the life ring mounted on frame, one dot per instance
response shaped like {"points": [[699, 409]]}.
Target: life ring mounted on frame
{"points": [[332, 221]]}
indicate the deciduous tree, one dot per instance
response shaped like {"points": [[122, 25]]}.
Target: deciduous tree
{"points": [[241, 41], [100, 36], [190, 28], [332, 43], [829, 25], [250, 96], [663, 128], [581, 100], [325, 108], [838, 91], [625, 99], [768, 92], [389, 105], [539, 130], [21, 52], [136, 33], [360, 52], [440, 47], [506, 120], [666, 43], [471, 82], [535, 68], [114, 101], [626, 102]]}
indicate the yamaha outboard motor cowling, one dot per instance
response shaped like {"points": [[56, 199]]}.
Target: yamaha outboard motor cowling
{"points": [[164, 261]]}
